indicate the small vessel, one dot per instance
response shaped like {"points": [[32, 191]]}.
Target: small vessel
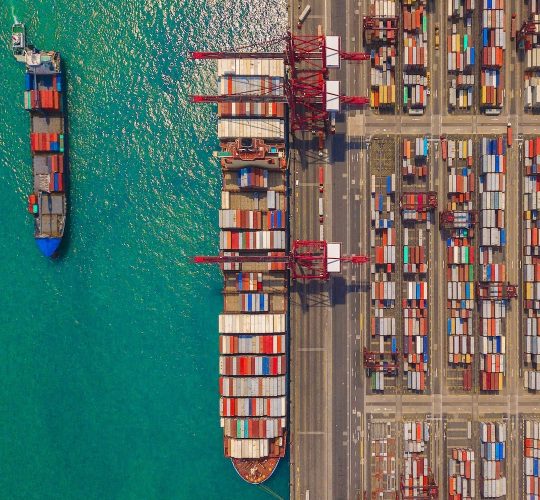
{"points": [[44, 100], [18, 41]]}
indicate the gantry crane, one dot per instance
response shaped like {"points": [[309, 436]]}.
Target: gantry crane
{"points": [[452, 219], [373, 23], [308, 92], [524, 36], [421, 202], [308, 259], [486, 290], [372, 364], [427, 492]]}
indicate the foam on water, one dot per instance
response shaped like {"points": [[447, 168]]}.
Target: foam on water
{"points": [[110, 354]]}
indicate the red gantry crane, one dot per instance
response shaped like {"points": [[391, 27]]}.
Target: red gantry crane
{"points": [[373, 24], [308, 92], [426, 492], [376, 362], [524, 37], [308, 259], [451, 219], [488, 290]]}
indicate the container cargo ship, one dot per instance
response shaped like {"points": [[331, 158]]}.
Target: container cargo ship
{"points": [[43, 99], [253, 223]]}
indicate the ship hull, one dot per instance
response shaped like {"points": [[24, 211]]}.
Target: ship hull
{"points": [[255, 471]]}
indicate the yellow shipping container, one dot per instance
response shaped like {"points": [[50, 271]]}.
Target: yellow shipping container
{"points": [[372, 98], [529, 295], [483, 94], [393, 94]]}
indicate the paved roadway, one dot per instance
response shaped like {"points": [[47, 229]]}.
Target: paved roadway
{"points": [[329, 405]]}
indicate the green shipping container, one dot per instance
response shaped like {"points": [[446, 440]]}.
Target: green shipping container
{"points": [[466, 252], [405, 95], [373, 382], [405, 255], [424, 23], [465, 42]]}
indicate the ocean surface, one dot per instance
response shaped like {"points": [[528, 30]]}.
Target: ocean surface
{"points": [[109, 354]]}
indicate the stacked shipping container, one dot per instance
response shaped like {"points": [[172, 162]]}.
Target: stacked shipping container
{"points": [[416, 470], [461, 54], [493, 455], [492, 243], [415, 170], [383, 55], [415, 55], [531, 458], [460, 256], [415, 155], [532, 62], [493, 50], [383, 271], [531, 262], [461, 474]]}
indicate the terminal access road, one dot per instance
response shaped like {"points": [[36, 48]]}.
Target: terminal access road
{"points": [[330, 410]]}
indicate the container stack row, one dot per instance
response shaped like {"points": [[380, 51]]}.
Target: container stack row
{"points": [[461, 54], [416, 468], [414, 161], [383, 460], [531, 75], [251, 77], [461, 258], [492, 57], [253, 223], [415, 334], [415, 55], [531, 262], [461, 474], [531, 458], [492, 269], [415, 256], [383, 273], [383, 55], [493, 456]]}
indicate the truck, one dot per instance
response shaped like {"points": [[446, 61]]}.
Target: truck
{"points": [[509, 138]]}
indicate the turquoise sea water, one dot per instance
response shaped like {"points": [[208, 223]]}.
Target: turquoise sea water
{"points": [[109, 355]]}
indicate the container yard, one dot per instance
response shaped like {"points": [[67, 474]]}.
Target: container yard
{"points": [[382, 355], [529, 47], [383, 460], [415, 56], [493, 455], [416, 220], [417, 477], [493, 51], [461, 54], [531, 458], [461, 460], [380, 38], [531, 264], [428, 352], [457, 223], [493, 300]]}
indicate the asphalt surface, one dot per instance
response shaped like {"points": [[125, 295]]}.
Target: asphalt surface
{"points": [[330, 408]]}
